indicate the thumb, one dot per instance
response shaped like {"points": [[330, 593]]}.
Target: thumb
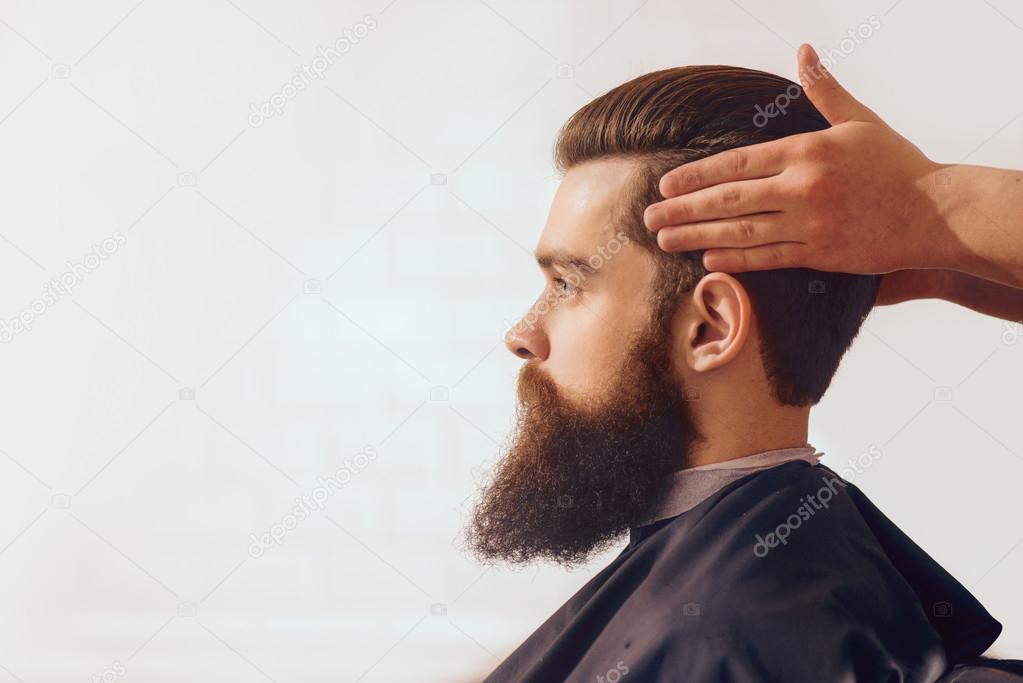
{"points": [[826, 93]]}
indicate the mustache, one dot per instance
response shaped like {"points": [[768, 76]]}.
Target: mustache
{"points": [[536, 387]]}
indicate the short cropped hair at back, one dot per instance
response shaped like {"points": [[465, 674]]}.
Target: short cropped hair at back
{"points": [[807, 319]]}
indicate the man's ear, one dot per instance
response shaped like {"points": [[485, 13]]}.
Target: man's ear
{"points": [[717, 322]]}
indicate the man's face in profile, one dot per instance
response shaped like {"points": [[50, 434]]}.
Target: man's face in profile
{"points": [[602, 417]]}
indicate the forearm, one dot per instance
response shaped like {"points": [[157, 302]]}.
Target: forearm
{"points": [[979, 223], [975, 293], [983, 296]]}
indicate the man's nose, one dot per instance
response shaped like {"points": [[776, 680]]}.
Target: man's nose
{"points": [[527, 342]]}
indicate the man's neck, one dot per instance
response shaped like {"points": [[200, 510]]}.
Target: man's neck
{"points": [[738, 436]]}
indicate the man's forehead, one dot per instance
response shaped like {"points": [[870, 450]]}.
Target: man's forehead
{"points": [[586, 208]]}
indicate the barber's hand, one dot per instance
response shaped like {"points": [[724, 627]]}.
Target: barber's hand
{"points": [[852, 198]]}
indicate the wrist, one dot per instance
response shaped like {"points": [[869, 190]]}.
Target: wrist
{"points": [[944, 284], [951, 192]]}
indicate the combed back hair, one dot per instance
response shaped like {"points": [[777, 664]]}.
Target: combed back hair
{"points": [[806, 319]]}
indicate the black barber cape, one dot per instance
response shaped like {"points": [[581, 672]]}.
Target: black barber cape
{"points": [[789, 574]]}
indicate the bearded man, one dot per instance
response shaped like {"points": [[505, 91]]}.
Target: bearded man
{"points": [[669, 404]]}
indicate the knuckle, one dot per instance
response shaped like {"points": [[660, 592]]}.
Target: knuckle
{"points": [[815, 149], [731, 196], [812, 186], [738, 161], [744, 230]]}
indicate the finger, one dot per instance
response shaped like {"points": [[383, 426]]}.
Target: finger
{"points": [[744, 231], [721, 201], [763, 257], [743, 163], [826, 93]]}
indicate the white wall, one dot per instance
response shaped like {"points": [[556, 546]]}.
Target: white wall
{"points": [[320, 293]]}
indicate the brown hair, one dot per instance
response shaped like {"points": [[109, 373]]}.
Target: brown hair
{"points": [[807, 319]]}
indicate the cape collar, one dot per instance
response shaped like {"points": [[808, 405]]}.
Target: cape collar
{"points": [[687, 488]]}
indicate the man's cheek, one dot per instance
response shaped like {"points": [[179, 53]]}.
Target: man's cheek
{"points": [[569, 372], [582, 357]]}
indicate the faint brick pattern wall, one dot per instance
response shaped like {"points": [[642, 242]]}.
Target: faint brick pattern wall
{"points": [[245, 244]]}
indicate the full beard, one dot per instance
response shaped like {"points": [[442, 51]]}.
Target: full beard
{"points": [[576, 478]]}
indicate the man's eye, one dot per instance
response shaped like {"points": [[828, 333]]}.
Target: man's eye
{"points": [[563, 287]]}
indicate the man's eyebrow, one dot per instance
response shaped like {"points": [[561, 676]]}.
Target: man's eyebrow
{"points": [[558, 257]]}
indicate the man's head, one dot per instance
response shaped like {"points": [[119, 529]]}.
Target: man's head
{"points": [[631, 351]]}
